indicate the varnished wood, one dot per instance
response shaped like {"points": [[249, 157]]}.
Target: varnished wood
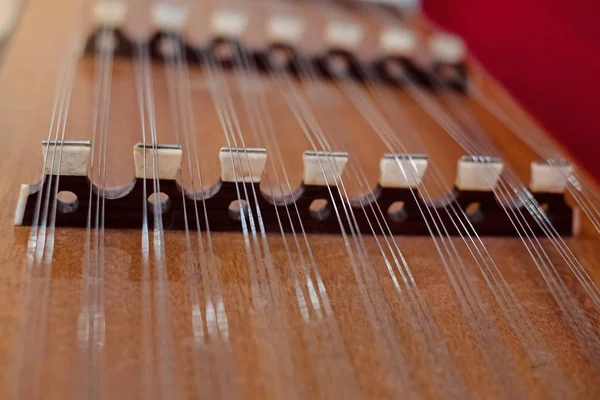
{"points": [[27, 83]]}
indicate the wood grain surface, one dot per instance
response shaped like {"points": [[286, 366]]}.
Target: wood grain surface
{"points": [[268, 349]]}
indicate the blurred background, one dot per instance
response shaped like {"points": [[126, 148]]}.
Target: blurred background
{"points": [[545, 52], [9, 14]]}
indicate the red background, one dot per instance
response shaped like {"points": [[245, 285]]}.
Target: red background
{"points": [[546, 53]]}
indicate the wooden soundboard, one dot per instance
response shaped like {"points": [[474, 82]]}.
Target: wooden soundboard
{"points": [[27, 81]]}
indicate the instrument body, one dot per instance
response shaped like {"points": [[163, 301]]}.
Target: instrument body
{"points": [[249, 348]]}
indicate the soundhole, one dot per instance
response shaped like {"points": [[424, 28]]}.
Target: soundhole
{"points": [[160, 200], [474, 212], [67, 202], [319, 209], [236, 207], [396, 211]]}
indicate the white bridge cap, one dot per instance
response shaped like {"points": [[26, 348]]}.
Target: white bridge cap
{"points": [[398, 41], [168, 157], [402, 170], [109, 12], [323, 167], [168, 16], [550, 176], [229, 23], [285, 28], [69, 157], [345, 35], [446, 48], [479, 173], [242, 164]]}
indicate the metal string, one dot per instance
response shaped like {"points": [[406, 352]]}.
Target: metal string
{"points": [[339, 380], [581, 191], [527, 199], [161, 284], [430, 330], [216, 318], [90, 327], [562, 295], [34, 290], [36, 275], [147, 362], [188, 269], [371, 300], [259, 260], [160, 289], [501, 366], [531, 204], [512, 310]]}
